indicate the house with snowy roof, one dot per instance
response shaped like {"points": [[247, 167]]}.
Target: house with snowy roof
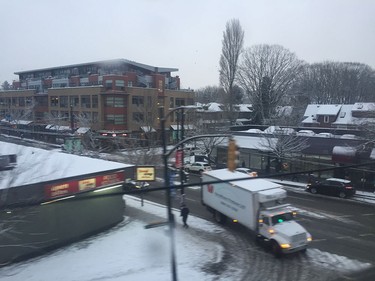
{"points": [[215, 115], [339, 116]]}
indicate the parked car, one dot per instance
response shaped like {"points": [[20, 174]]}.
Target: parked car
{"points": [[198, 167], [332, 186], [247, 171], [133, 185], [307, 133]]}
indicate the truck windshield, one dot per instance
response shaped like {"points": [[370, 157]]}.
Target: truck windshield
{"points": [[281, 218]]}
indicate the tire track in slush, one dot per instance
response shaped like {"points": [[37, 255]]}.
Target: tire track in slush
{"points": [[260, 264]]}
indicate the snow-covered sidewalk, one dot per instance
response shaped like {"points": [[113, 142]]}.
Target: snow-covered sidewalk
{"points": [[130, 252]]}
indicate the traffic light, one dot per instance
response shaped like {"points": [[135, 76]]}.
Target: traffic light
{"points": [[232, 155]]}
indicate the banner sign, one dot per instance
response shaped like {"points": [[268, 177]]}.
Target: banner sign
{"points": [[145, 173], [71, 187], [179, 157]]}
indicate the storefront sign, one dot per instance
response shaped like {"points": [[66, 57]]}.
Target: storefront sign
{"points": [[145, 173], [75, 186]]}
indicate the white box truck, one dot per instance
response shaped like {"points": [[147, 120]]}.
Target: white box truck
{"points": [[257, 204]]}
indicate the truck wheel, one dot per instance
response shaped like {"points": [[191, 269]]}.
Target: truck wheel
{"points": [[258, 239], [313, 190], [342, 194], [275, 249], [219, 217]]}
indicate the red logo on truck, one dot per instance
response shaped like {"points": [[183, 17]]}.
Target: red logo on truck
{"points": [[210, 188]]}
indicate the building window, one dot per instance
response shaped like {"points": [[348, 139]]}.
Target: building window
{"points": [[115, 119], [95, 117], [85, 101], [114, 101], [138, 117], [130, 83], [137, 100], [180, 102], [108, 84], [54, 101], [64, 101], [171, 102], [120, 85], [74, 101], [326, 119], [94, 99]]}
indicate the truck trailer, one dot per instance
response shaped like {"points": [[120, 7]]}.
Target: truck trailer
{"points": [[258, 205]]}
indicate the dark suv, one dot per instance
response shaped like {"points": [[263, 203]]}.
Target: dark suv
{"points": [[332, 186]]}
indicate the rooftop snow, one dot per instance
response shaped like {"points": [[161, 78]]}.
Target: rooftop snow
{"points": [[328, 109], [251, 184], [37, 165], [258, 143]]}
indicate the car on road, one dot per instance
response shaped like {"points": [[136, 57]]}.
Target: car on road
{"points": [[332, 186], [198, 167], [134, 185], [247, 171]]}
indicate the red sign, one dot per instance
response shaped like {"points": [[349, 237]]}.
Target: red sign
{"points": [[179, 157], [68, 188], [210, 188]]}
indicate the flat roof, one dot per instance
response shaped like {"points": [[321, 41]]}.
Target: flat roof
{"points": [[36, 165], [251, 184], [104, 62]]}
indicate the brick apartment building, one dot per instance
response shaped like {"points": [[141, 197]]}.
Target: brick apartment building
{"points": [[116, 96]]}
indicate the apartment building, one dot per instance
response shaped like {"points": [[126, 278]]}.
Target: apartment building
{"points": [[116, 96]]}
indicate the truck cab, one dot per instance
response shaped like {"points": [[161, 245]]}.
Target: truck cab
{"points": [[277, 226]]}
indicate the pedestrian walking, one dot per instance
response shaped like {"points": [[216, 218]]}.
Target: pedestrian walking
{"points": [[184, 214]]}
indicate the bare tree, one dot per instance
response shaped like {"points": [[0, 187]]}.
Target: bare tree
{"points": [[145, 117], [266, 73], [283, 145], [206, 145], [232, 46], [337, 82], [209, 94]]}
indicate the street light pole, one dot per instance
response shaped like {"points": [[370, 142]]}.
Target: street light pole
{"points": [[170, 216], [182, 178], [71, 119]]}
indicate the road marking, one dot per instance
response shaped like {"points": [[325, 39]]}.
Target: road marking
{"points": [[301, 198], [318, 240], [372, 214], [343, 237], [345, 216], [367, 234]]}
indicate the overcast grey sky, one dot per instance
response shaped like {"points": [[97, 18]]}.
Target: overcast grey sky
{"points": [[178, 33]]}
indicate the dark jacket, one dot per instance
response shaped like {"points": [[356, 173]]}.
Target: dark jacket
{"points": [[184, 211]]}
